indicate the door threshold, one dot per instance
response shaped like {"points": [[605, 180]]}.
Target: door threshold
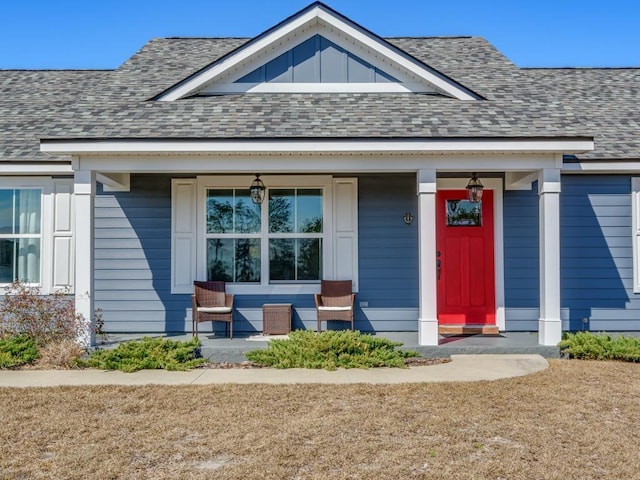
{"points": [[468, 329]]}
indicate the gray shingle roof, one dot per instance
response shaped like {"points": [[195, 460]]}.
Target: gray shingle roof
{"points": [[519, 102]]}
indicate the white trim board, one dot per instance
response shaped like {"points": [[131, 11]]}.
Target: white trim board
{"points": [[419, 146]]}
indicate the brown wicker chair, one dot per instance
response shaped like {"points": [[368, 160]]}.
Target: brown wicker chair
{"points": [[335, 302], [211, 303]]}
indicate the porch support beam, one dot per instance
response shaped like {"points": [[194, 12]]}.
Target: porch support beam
{"points": [[549, 323], [428, 303], [84, 192]]}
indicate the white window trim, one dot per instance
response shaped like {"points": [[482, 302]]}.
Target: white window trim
{"points": [[47, 205], [323, 182], [635, 232]]}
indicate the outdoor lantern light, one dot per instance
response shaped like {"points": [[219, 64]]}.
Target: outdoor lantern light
{"points": [[257, 190], [474, 189]]}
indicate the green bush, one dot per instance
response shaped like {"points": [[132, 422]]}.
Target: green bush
{"points": [[590, 346], [331, 350], [148, 353], [17, 350]]}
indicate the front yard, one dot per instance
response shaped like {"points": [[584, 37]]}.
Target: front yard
{"points": [[578, 419]]}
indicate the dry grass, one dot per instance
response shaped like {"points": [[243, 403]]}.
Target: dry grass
{"points": [[577, 420]]}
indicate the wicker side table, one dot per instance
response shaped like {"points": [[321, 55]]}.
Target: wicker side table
{"points": [[276, 318]]}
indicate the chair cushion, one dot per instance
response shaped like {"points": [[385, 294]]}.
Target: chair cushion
{"points": [[334, 309], [214, 309]]}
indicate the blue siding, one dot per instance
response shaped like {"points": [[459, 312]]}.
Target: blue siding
{"points": [[133, 259], [317, 60], [521, 260], [596, 253]]}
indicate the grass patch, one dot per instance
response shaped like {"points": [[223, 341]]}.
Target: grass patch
{"points": [[601, 346], [148, 353], [17, 350], [331, 350], [575, 420]]}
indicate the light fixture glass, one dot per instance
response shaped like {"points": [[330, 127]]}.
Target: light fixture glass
{"points": [[474, 189], [257, 189]]}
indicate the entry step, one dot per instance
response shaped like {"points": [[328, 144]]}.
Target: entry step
{"points": [[468, 329]]}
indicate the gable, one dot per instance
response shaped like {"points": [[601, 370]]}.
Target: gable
{"points": [[317, 60], [317, 50]]}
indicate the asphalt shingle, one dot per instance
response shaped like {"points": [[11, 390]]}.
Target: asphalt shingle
{"points": [[518, 102]]}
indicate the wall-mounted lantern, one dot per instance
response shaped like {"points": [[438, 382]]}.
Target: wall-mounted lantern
{"points": [[256, 190], [474, 189]]}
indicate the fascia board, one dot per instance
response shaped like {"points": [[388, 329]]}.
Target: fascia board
{"points": [[152, 147]]}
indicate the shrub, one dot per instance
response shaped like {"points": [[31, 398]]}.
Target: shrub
{"points": [[63, 354], [590, 346], [148, 353], [44, 318], [331, 350], [17, 350]]}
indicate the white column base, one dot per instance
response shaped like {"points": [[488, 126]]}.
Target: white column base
{"points": [[428, 332], [84, 307], [549, 331]]}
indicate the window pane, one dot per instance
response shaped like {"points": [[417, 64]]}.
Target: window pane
{"points": [[28, 260], [309, 259], [463, 213], [232, 211], [220, 211], [247, 213], [281, 210], [233, 260], [7, 248], [6, 211], [247, 260], [309, 211], [282, 259], [27, 218]]}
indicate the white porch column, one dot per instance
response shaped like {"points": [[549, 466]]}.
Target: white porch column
{"points": [[428, 300], [549, 324], [84, 192]]}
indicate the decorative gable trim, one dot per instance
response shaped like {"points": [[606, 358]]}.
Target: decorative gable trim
{"points": [[317, 18]]}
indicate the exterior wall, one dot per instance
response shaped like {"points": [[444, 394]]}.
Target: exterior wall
{"points": [[521, 260], [596, 252], [133, 260], [596, 256]]}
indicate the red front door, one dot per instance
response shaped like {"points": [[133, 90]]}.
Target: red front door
{"points": [[465, 259]]}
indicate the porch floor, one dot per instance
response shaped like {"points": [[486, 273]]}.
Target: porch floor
{"points": [[218, 348]]}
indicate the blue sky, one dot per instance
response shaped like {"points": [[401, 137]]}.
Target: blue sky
{"points": [[104, 33]]}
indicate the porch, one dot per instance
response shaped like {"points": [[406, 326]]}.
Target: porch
{"points": [[218, 348]]}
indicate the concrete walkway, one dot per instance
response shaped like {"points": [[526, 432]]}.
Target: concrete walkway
{"points": [[462, 368]]}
